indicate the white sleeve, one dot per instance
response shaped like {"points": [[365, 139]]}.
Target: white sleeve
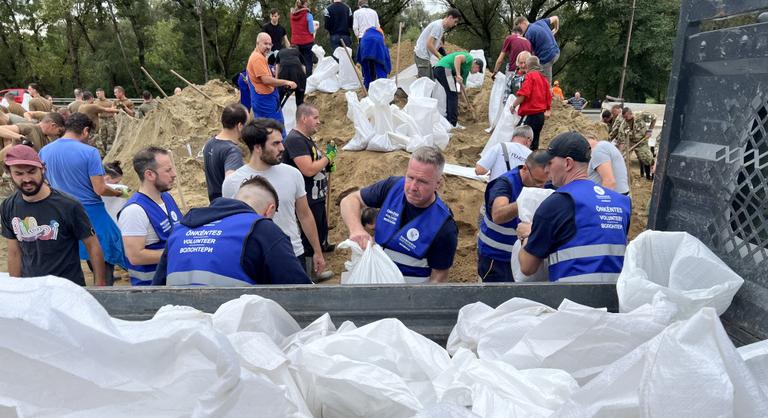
{"points": [[231, 184], [133, 221], [487, 160], [298, 183]]}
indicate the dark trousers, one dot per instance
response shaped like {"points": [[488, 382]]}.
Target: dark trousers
{"points": [[296, 74], [336, 42], [445, 78], [321, 221], [308, 56], [536, 122], [492, 271]]}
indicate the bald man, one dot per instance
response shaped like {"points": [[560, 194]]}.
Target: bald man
{"points": [[265, 98], [233, 242]]}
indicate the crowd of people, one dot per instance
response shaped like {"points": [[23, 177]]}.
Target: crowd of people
{"points": [[267, 222]]}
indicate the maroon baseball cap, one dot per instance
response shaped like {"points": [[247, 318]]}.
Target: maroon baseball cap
{"points": [[22, 155]]}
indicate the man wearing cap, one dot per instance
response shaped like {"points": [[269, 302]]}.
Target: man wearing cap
{"points": [[582, 228], [43, 226]]}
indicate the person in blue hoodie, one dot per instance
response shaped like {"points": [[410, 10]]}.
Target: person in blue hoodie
{"points": [[233, 242]]}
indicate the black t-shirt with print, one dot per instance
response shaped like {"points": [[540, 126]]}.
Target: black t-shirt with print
{"points": [[297, 145], [48, 232]]}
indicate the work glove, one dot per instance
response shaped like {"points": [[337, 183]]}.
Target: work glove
{"points": [[330, 152], [331, 168]]}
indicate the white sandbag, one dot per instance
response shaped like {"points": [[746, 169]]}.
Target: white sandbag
{"points": [[324, 78], [422, 87], [529, 200], [406, 77], [512, 319], [690, 369], [318, 51], [475, 81], [496, 100], [461, 171], [92, 365], [255, 314], [381, 92], [347, 77], [756, 357], [445, 410], [363, 129], [583, 341], [369, 266], [289, 113], [319, 328], [504, 128], [495, 389], [114, 204], [382, 369], [679, 266]]}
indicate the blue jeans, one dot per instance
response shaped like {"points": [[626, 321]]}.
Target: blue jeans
{"points": [[336, 42], [492, 271]]}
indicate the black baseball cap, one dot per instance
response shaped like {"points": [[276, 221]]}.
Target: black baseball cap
{"points": [[570, 144]]}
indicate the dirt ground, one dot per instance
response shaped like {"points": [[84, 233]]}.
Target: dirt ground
{"points": [[184, 122]]}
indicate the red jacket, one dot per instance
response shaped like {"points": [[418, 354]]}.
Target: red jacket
{"points": [[300, 34], [538, 96]]}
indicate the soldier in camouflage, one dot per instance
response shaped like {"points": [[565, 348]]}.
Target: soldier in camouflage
{"points": [[634, 129], [107, 125]]}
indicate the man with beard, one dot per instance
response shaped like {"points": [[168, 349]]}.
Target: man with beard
{"points": [[263, 138], [147, 219], [43, 226]]}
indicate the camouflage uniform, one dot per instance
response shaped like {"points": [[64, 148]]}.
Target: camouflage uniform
{"points": [[145, 108], [633, 131], [107, 127], [613, 130]]}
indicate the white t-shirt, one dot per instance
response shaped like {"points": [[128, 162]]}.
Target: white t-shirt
{"points": [[434, 30], [363, 19], [134, 222], [494, 158], [289, 184]]}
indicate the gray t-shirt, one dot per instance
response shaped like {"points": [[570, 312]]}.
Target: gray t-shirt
{"points": [[219, 156], [434, 30], [605, 152]]}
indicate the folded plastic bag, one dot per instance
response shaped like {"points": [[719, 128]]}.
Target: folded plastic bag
{"points": [[496, 389], [756, 357], [347, 74], [582, 340], [679, 266], [690, 369], [369, 266], [496, 100], [382, 369], [529, 200], [477, 324]]}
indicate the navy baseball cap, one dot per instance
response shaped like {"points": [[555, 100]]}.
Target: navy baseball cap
{"points": [[570, 144]]}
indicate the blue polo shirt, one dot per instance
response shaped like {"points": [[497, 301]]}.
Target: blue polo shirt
{"points": [[69, 166], [542, 40]]}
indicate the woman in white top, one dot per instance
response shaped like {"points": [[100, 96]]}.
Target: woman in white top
{"points": [[364, 18]]}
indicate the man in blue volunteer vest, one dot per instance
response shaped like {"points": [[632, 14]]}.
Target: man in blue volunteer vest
{"points": [[498, 220], [582, 228], [147, 219], [414, 226], [233, 242]]}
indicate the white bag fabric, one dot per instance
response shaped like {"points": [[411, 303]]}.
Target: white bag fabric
{"points": [[406, 77], [382, 369], [324, 78], [504, 127], [529, 200], [690, 369], [495, 389], [318, 51], [756, 357], [363, 128], [289, 113], [475, 81], [115, 204], [254, 313], [347, 78], [369, 266], [496, 100], [680, 267]]}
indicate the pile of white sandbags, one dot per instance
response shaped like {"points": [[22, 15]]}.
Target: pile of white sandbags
{"points": [[382, 126], [333, 73]]}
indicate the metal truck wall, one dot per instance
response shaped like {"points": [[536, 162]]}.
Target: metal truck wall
{"points": [[712, 172]]}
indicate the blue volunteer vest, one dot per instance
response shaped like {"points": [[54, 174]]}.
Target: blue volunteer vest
{"points": [[495, 241], [162, 223], [265, 105], [596, 252], [209, 255], [407, 246]]}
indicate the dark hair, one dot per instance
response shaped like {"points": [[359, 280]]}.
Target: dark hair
{"points": [[263, 183], [538, 158], [304, 110], [453, 13], [274, 12], [146, 95], [87, 95], [616, 106], [368, 216], [34, 86], [55, 117], [146, 160], [256, 132], [113, 169], [99, 90], [625, 110], [606, 114], [120, 88], [478, 62], [77, 122], [232, 115]]}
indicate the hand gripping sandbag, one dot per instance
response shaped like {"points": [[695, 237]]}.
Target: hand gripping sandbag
{"points": [[529, 200], [678, 266], [372, 266], [691, 369]]}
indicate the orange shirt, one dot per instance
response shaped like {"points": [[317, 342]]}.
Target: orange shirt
{"points": [[258, 67], [558, 92]]}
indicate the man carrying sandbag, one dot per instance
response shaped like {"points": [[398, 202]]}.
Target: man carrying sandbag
{"points": [[582, 228], [499, 217], [233, 242], [414, 226]]}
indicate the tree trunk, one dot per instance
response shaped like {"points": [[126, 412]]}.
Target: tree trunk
{"points": [[72, 46]]}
